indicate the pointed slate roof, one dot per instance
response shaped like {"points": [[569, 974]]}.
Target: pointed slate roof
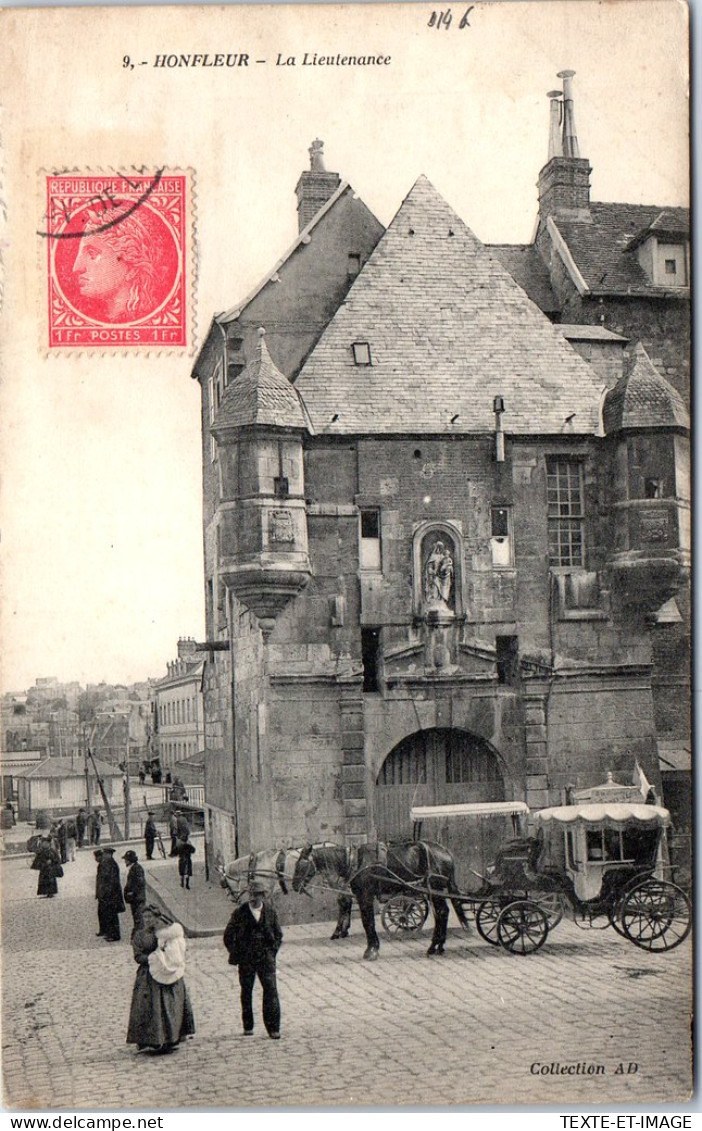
{"points": [[642, 398], [448, 329], [261, 395]]}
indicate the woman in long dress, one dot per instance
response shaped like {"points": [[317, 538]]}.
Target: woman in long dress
{"points": [[161, 1015], [48, 863]]}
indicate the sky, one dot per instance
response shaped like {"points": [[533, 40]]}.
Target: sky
{"points": [[101, 486]]}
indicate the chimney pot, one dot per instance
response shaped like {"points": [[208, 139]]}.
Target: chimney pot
{"points": [[315, 186]]}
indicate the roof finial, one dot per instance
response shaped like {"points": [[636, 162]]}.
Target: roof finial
{"points": [[316, 152], [570, 137], [261, 332], [555, 145]]}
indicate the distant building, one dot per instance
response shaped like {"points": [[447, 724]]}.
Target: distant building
{"points": [[12, 764], [59, 786], [178, 711]]}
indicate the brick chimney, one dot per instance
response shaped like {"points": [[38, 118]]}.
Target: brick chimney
{"points": [[315, 186], [564, 182], [186, 647]]}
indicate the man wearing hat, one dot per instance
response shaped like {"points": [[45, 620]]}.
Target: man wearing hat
{"points": [[108, 892], [135, 888], [150, 834], [253, 937]]}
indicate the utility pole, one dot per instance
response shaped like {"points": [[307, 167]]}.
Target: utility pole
{"points": [[115, 831], [87, 774], [127, 794]]}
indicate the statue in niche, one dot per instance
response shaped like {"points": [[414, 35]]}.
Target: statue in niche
{"points": [[438, 575]]}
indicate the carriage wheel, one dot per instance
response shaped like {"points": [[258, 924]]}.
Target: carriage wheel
{"points": [[522, 927], [656, 916], [614, 917], [404, 915], [552, 903], [486, 921]]}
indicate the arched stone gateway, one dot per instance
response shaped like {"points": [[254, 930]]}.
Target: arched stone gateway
{"points": [[443, 766]]}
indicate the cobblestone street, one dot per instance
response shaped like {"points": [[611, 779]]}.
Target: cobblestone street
{"points": [[465, 1028]]}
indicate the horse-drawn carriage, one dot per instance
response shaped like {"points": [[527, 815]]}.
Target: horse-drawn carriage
{"points": [[612, 875]]}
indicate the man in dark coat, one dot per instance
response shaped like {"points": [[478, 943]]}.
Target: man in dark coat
{"points": [[150, 835], [80, 826], [62, 838], [108, 892], [182, 826], [135, 889], [253, 937], [95, 826], [173, 830]]}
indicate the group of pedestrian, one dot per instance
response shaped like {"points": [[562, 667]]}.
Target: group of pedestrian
{"points": [[160, 1014], [90, 824]]}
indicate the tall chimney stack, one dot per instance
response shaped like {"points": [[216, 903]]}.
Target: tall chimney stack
{"points": [[555, 144], [570, 137], [564, 181], [315, 186]]}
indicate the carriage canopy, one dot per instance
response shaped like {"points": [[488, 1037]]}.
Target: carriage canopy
{"points": [[612, 815], [477, 809]]}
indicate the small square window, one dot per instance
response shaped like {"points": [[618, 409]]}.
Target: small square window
{"points": [[354, 265], [653, 488], [361, 353], [234, 368], [235, 344], [671, 267], [281, 487]]}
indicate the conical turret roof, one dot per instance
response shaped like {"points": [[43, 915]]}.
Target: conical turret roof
{"points": [[643, 398], [262, 395], [448, 330]]}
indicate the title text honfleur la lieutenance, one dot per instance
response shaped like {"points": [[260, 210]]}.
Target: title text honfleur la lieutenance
{"points": [[241, 59]]}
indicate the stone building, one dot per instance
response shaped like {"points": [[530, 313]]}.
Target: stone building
{"points": [[178, 710], [609, 272], [438, 527]]}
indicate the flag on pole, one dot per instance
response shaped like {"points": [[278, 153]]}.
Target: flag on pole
{"points": [[639, 779]]}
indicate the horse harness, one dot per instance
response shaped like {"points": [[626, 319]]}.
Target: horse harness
{"points": [[350, 866], [279, 869]]}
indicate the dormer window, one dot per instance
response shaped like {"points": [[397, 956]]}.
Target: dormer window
{"points": [[665, 261], [670, 264], [361, 353]]}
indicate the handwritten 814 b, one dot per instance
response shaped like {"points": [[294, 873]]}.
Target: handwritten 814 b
{"points": [[445, 19]]}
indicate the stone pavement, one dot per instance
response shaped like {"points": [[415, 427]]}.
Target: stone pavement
{"points": [[465, 1028]]}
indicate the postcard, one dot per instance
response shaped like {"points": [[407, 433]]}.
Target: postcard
{"points": [[346, 751]]}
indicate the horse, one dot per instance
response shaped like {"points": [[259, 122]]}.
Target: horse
{"points": [[274, 867], [377, 870]]}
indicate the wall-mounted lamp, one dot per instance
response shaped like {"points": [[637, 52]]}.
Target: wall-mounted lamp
{"points": [[498, 407]]}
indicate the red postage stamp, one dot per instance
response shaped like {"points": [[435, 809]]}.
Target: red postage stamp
{"points": [[117, 257]]}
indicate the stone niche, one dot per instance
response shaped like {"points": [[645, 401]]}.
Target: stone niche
{"points": [[438, 591]]}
